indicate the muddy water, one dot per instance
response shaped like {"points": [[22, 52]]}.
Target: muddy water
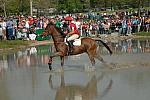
{"points": [[24, 75]]}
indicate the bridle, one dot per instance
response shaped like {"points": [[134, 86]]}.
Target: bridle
{"points": [[54, 35]]}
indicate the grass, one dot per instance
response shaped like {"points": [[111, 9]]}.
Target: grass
{"points": [[143, 34], [14, 44]]}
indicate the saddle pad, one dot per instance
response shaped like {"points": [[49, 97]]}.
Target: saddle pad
{"points": [[77, 42]]}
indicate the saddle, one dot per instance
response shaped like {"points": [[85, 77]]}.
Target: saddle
{"points": [[76, 42]]}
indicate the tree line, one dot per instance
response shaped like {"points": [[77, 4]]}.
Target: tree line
{"points": [[8, 7]]}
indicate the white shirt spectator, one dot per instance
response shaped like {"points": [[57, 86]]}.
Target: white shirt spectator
{"points": [[3, 25], [32, 36], [27, 25], [78, 24], [1, 30]]}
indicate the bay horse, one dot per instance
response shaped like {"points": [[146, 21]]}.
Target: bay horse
{"points": [[88, 45], [67, 91]]}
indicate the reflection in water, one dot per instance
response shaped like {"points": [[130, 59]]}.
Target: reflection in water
{"points": [[3, 65], [78, 92], [129, 46], [35, 56], [22, 76]]}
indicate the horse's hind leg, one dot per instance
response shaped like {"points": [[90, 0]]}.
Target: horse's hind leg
{"points": [[91, 68], [97, 56], [91, 59]]}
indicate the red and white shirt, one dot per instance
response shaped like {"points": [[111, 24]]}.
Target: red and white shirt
{"points": [[73, 27]]}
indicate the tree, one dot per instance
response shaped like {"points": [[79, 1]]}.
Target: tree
{"points": [[23, 6], [3, 6], [69, 5]]}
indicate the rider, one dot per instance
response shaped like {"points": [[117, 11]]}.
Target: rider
{"points": [[73, 33]]}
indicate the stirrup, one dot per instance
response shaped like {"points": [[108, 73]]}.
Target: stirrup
{"points": [[70, 50]]}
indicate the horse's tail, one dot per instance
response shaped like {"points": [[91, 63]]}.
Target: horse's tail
{"points": [[106, 46]]}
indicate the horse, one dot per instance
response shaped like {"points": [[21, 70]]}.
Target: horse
{"points": [[88, 45], [88, 92]]}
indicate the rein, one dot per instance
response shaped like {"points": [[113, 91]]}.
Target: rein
{"points": [[55, 35]]}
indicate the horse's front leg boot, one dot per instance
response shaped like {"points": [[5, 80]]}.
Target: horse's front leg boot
{"points": [[50, 60], [50, 66]]}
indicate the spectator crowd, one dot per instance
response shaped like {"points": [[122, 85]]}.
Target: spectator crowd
{"points": [[89, 24]]}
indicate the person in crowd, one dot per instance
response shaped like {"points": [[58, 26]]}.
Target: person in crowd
{"points": [[58, 23], [106, 26], [78, 23], [112, 26], [1, 32], [101, 27], [46, 21], [41, 23], [17, 21], [147, 25], [124, 27], [129, 28], [9, 27], [24, 29], [4, 27], [35, 22], [135, 23], [85, 27]]}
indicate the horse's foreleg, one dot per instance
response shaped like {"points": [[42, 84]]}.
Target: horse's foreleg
{"points": [[50, 63], [51, 58], [62, 61]]}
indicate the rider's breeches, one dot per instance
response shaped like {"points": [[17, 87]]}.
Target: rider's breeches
{"points": [[73, 37]]}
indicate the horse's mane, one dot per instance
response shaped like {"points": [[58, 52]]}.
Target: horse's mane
{"points": [[50, 23], [57, 28]]}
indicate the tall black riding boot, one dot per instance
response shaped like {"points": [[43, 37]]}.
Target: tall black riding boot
{"points": [[70, 44]]}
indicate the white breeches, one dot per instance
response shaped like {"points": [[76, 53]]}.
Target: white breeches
{"points": [[73, 37]]}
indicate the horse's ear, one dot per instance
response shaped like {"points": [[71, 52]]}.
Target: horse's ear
{"points": [[50, 22]]}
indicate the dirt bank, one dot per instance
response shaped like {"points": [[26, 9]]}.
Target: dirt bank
{"points": [[36, 43]]}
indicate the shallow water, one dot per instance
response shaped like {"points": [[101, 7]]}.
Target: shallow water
{"points": [[24, 75]]}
